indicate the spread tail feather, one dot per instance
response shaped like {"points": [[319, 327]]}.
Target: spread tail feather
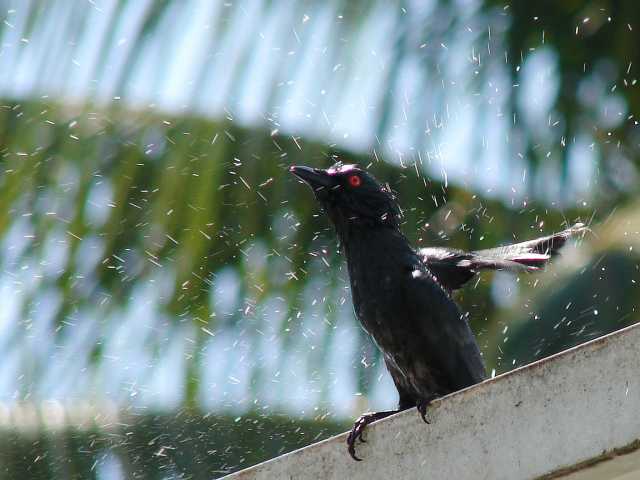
{"points": [[454, 268], [533, 253]]}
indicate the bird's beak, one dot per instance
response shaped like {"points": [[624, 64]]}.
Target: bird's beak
{"points": [[316, 178]]}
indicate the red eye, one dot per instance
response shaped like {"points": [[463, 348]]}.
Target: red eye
{"points": [[355, 180]]}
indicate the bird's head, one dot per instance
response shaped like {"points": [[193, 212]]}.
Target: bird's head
{"points": [[351, 196]]}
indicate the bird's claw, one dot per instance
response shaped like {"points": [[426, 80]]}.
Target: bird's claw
{"points": [[356, 433], [422, 409], [358, 430]]}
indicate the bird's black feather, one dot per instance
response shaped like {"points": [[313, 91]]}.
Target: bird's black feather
{"points": [[453, 268], [402, 296]]}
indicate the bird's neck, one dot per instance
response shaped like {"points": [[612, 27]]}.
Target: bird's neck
{"points": [[358, 239]]}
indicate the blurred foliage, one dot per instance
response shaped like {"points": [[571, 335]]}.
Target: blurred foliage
{"points": [[588, 304], [595, 64], [591, 297], [190, 197], [415, 69], [188, 444], [99, 200]]}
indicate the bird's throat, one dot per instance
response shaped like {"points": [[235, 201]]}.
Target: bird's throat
{"points": [[373, 243]]}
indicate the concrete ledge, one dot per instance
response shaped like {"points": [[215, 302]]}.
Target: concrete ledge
{"points": [[567, 410]]}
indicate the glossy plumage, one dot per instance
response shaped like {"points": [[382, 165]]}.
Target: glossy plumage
{"points": [[401, 296]]}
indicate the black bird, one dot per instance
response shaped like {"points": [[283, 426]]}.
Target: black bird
{"points": [[402, 296]]}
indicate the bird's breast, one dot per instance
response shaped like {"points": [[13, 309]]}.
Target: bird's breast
{"points": [[380, 265], [379, 306]]}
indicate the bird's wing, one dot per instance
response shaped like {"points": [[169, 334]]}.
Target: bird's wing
{"points": [[448, 351], [454, 268]]}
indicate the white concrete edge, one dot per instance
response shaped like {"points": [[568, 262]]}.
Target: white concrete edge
{"points": [[551, 414]]}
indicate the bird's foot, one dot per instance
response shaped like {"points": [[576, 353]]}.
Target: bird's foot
{"points": [[422, 409], [359, 426]]}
